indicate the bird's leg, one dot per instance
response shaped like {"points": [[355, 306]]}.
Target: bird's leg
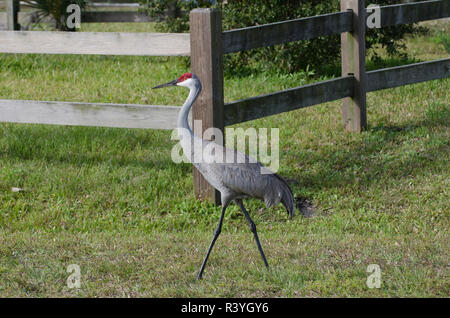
{"points": [[216, 235], [253, 229]]}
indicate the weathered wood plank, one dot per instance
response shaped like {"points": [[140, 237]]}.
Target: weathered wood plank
{"points": [[115, 16], [414, 12], [12, 10], [407, 74], [103, 43], [287, 100], [114, 1], [286, 31], [333, 23], [117, 4], [309, 95], [114, 4], [90, 17], [353, 57], [207, 64], [88, 114], [3, 22]]}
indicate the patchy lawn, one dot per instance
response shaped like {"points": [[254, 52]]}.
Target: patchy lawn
{"points": [[112, 201]]}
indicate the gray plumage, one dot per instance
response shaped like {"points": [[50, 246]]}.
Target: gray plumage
{"points": [[241, 180], [235, 180]]}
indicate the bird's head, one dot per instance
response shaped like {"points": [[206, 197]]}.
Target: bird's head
{"points": [[188, 80]]}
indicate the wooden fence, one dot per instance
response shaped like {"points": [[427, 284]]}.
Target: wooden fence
{"points": [[115, 16], [102, 13], [206, 45]]}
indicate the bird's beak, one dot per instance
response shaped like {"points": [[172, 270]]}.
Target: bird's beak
{"points": [[174, 82]]}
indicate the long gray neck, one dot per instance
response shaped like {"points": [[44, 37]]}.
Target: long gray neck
{"points": [[183, 116], [189, 142]]}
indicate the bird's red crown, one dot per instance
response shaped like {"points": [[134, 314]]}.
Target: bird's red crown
{"points": [[184, 77]]}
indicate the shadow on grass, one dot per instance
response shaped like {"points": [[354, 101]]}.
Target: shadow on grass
{"points": [[80, 146], [383, 152]]}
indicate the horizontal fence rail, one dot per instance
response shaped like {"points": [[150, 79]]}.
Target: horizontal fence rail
{"points": [[89, 114], [287, 100], [407, 74], [414, 12], [286, 31], [91, 17], [103, 43], [115, 16], [318, 93], [114, 4], [327, 24], [233, 40], [100, 4], [164, 117]]}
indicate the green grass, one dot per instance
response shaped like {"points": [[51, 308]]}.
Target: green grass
{"points": [[444, 39], [112, 201]]}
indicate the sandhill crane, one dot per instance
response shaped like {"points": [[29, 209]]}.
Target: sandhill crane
{"points": [[234, 180]]}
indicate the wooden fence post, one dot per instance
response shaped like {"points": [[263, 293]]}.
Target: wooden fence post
{"points": [[207, 64], [353, 51], [12, 15]]}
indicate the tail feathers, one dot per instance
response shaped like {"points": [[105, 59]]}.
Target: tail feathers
{"points": [[281, 192], [288, 202]]}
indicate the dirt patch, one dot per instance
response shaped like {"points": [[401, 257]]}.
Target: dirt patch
{"points": [[305, 206]]}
